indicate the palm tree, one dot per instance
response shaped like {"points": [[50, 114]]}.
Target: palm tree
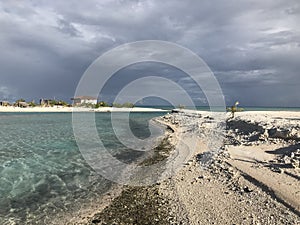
{"points": [[233, 109]]}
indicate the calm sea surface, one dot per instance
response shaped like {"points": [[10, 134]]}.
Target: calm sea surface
{"points": [[246, 108], [42, 172]]}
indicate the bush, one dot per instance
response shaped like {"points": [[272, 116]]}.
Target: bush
{"points": [[128, 105], [102, 104], [117, 105], [125, 105], [31, 104]]}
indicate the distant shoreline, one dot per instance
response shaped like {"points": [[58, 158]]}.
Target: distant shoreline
{"points": [[58, 109]]}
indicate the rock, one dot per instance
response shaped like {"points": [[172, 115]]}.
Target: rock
{"points": [[247, 190], [294, 134], [286, 159], [295, 159], [276, 133], [188, 163], [275, 169], [296, 163], [264, 136], [95, 221]]}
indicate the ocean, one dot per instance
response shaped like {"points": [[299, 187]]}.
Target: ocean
{"points": [[43, 175], [246, 108]]}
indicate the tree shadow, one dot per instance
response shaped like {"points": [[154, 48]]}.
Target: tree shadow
{"points": [[281, 165], [244, 127], [285, 150]]}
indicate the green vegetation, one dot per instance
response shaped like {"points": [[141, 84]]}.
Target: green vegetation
{"points": [[88, 105], [54, 103], [32, 104], [21, 103], [125, 105], [51, 103], [20, 100], [5, 103], [117, 105], [101, 104], [128, 105]]}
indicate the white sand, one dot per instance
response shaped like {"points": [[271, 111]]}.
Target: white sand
{"points": [[217, 195]]}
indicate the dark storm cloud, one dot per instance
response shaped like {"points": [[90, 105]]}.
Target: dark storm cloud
{"points": [[253, 47]]}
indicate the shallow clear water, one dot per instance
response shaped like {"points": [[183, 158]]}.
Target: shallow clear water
{"points": [[43, 174]]}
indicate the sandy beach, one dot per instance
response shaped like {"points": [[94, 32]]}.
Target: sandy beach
{"points": [[76, 109], [252, 178]]}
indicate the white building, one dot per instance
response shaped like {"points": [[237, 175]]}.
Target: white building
{"points": [[84, 100]]}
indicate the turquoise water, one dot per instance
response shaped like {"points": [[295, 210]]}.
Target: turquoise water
{"points": [[246, 108], [42, 173], [271, 108]]}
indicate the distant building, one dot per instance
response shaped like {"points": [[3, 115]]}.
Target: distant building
{"points": [[79, 100], [4, 103], [45, 102], [22, 104]]}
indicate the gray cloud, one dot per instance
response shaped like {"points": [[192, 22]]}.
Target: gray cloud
{"points": [[252, 46]]}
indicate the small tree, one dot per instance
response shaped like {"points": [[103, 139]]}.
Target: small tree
{"points": [[32, 104], [52, 103], [128, 105], [103, 104], [233, 109], [117, 105], [62, 103], [20, 100], [17, 103]]}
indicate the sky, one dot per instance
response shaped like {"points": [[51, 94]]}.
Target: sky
{"points": [[252, 47]]}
